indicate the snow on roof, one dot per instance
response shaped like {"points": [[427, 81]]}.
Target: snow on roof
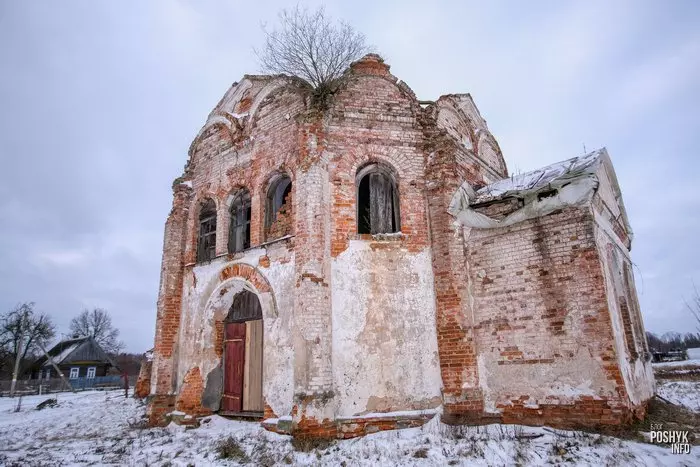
{"points": [[540, 178], [65, 352]]}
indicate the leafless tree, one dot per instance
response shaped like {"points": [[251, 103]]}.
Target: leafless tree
{"points": [[694, 305], [23, 331], [310, 45], [97, 323]]}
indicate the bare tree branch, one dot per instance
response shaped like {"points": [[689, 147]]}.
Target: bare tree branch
{"points": [[22, 330], [97, 323], [694, 305], [309, 45]]}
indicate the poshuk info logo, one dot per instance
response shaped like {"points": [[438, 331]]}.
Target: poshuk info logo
{"points": [[678, 439]]}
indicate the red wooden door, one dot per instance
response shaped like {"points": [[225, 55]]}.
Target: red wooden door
{"points": [[234, 361]]}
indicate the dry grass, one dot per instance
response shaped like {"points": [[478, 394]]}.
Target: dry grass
{"points": [[230, 448], [422, 453], [660, 413], [678, 373], [305, 444]]}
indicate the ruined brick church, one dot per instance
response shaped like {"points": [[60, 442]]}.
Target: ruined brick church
{"points": [[365, 263]]}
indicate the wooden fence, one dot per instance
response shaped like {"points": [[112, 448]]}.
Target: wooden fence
{"points": [[43, 386]]}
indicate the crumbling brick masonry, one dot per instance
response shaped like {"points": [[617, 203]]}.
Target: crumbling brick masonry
{"points": [[363, 265]]}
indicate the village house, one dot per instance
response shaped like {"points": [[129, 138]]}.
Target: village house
{"points": [[78, 357], [334, 267]]}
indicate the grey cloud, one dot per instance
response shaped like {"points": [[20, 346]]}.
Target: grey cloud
{"points": [[100, 102]]}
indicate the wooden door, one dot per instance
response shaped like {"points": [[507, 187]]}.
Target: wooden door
{"points": [[252, 381], [234, 361]]}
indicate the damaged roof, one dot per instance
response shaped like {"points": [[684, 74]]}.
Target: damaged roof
{"points": [[572, 182], [541, 178]]}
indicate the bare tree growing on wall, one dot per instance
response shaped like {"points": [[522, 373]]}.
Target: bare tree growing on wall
{"points": [[310, 45], [97, 323]]}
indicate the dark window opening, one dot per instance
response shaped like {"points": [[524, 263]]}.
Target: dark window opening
{"points": [[245, 307], [377, 201], [278, 208], [546, 194], [206, 244], [239, 230]]}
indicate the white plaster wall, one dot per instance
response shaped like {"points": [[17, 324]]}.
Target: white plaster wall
{"points": [[563, 381], [384, 333], [206, 300], [638, 374]]}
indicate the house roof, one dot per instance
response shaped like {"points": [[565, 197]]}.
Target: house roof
{"points": [[84, 349]]}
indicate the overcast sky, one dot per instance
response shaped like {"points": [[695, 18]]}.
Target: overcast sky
{"points": [[99, 102]]}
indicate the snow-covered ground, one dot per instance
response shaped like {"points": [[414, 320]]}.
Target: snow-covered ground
{"points": [[101, 428], [691, 362], [694, 353], [685, 393]]}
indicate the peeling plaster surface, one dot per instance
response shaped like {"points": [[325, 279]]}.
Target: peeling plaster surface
{"points": [[638, 375], [384, 340], [207, 300], [561, 382]]}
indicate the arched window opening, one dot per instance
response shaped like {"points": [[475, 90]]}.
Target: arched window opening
{"points": [[278, 209], [245, 307], [239, 229], [206, 243], [377, 201]]}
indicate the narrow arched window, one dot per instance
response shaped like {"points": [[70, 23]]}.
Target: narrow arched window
{"points": [[206, 242], [377, 200], [278, 208], [239, 229]]}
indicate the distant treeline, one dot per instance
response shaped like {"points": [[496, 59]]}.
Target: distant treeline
{"points": [[673, 340]]}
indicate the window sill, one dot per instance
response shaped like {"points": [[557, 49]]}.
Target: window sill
{"points": [[240, 254], [389, 237]]}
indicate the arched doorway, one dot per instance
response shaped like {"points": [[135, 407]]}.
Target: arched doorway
{"points": [[243, 353]]}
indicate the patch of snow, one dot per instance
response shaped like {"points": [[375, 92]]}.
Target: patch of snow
{"points": [[64, 353], [693, 362], [540, 178], [102, 428], [684, 393]]}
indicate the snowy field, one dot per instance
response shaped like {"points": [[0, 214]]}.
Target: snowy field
{"points": [[691, 362], [104, 428], [685, 393]]}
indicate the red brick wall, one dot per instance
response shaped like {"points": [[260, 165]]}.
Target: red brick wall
{"points": [[542, 323], [189, 398], [170, 294], [448, 167], [373, 120], [143, 384]]}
